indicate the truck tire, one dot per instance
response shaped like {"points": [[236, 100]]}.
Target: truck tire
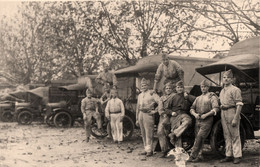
{"points": [[217, 141], [25, 117], [62, 120]]}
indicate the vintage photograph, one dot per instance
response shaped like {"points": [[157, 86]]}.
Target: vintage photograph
{"points": [[147, 83]]}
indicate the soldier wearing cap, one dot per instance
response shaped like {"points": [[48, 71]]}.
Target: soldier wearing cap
{"points": [[231, 105], [180, 120], [107, 77], [168, 71], [115, 112], [145, 111], [165, 111], [203, 109], [89, 109]]}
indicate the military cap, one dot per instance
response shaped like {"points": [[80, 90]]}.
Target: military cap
{"points": [[145, 81], [164, 55], [180, 84], [205, 83], [228, 74]]}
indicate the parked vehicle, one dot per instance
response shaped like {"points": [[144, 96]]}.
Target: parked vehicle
{"points": [[64, 109], [246, 71], [31, 109], [246, 65], [7, 107]]}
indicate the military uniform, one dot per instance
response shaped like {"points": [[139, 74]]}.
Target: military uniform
{"points": [[107, 77], [89, 109], [182, 120], [230, 97], [145, 105], [173, 73], [203, 104], [165, 111], [115, 110]]}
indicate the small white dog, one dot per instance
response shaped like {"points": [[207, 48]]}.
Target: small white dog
{"points": [[181, 156]]}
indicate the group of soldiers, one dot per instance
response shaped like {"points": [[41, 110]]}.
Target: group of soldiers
{"points": [[176, 109]]}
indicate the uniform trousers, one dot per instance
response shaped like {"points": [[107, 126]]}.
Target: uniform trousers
{"points": [[88, 121], [231, 134], [178, 125], [116, 127], [146, 123], [202, 130], [162, 133]]}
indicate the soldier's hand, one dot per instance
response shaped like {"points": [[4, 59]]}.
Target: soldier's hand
{"points": [[234, 123], [186, 95], [197, 116], [137, 123], [203, 116], [174, 114]]}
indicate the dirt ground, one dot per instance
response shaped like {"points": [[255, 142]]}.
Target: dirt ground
{"points": [[41, 145]]}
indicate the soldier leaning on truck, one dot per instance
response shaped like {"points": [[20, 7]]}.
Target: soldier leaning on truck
{"points": [[165, 111], [89, 109], [180, 120], [231, 105], [203, 109]]}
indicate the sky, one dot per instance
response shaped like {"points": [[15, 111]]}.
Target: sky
{"points": [[8, 8]]}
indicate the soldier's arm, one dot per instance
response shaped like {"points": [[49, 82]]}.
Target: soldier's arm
{"points": [[137, 107], [122, 108], [107, 109], [83, 105], [193, 110], [238, 100]]}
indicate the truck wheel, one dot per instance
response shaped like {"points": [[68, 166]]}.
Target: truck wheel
{"points": [[25, 117], [94, 129], [7, 116], [128, 128], [217, 141], [62, 120]]}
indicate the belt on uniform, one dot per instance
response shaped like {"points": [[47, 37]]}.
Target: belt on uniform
{"points": [[145, 111], [226, 107], [117, 112]]}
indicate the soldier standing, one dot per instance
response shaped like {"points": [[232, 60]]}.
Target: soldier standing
{"points": [[115, 112], [231, 105], [203, 109], [169, 71], [89, 109], [145, 111], [165, 111]]}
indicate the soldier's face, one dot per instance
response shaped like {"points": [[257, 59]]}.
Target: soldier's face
{"points": [[226, 80], [179, 89], [204, 89], [168, 90], [114, 94], [144, 87], [165, 61]]}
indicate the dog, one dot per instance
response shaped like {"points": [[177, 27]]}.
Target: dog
{"points": [[180, 155]]}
